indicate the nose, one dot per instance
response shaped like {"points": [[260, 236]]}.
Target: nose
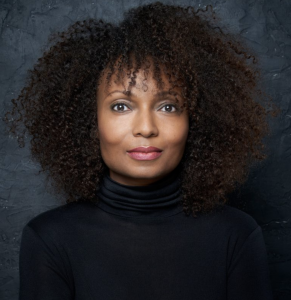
{"points": [[144, 124]]}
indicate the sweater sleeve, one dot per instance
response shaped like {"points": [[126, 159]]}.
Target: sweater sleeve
{"points": [[41, 269], [248, 276]]}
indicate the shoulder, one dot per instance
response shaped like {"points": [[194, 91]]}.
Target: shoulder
{"points": [[237, 227], [236, 219], [60, 219], [229, 222]]}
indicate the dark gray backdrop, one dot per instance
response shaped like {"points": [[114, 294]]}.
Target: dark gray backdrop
{"points": [[264, 24]]}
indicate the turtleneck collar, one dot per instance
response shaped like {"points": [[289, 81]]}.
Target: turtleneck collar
{"points": [[159, 199]]}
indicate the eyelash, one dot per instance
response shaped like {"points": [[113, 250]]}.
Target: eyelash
{"points": [[121, 103]]}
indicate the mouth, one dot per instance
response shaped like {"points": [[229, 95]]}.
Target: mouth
{"points": [[145, 153]]}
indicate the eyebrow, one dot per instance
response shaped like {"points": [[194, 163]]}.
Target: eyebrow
{"points": [[158, 95]]}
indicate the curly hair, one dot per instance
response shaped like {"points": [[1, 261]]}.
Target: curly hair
{"points": [[219, 81]]}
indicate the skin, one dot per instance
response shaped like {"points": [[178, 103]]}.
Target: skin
{"points": [[141, 119]]}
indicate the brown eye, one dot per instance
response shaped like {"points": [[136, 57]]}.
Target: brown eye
{"points": [[120, 107], [169, 108]]}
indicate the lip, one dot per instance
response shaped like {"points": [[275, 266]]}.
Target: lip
{"points": [[145, 149], [145, 153]]}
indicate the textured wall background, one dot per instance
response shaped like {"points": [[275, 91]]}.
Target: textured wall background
{"points": [[266, 27]]}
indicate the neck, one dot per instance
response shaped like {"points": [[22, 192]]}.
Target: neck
{"points": [[159, 199]]}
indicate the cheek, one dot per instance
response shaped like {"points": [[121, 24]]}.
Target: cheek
{"points": [[177, 135], [111, 133]]}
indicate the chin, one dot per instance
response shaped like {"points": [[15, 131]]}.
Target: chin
{"points": [[147, 175]]}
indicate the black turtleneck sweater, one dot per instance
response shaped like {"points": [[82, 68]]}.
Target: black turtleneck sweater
{"points": [[137, 243]]}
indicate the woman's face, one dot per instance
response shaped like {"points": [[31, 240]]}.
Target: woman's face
{"points": [[145, 118]]}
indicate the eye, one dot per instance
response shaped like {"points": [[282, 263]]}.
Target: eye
{"points": [[120, 107], [169, 108]]}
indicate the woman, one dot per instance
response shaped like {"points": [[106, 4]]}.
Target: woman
{"points": [[145, 126]]}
